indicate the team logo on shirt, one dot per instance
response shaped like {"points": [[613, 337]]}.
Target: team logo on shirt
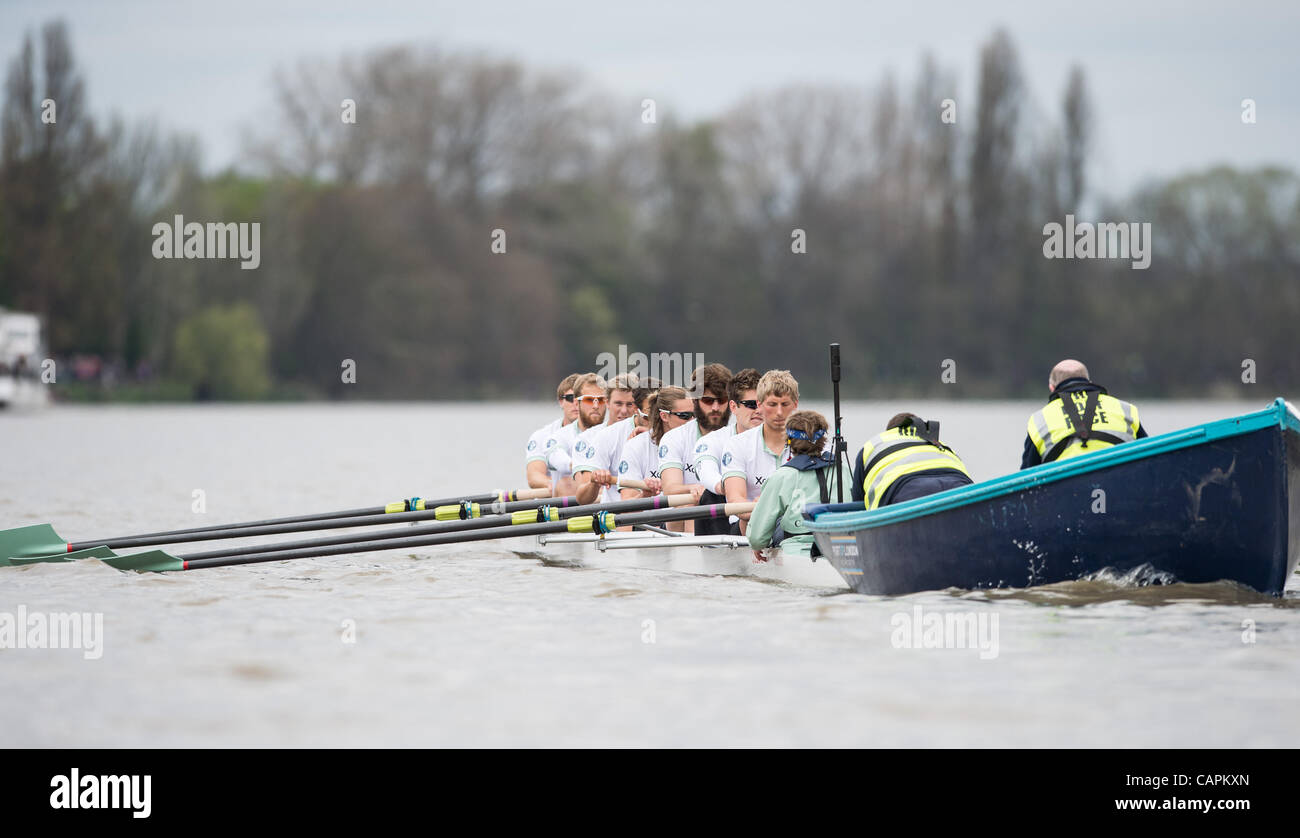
{"points": [[701, 448], [550, 443], [591, 451], [726, 459], [532, 443], [580, 447], [759, 481], [622, 467], [663, 450]]}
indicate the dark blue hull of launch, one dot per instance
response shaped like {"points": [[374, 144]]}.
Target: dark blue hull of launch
{"points": [[1214, 502]]}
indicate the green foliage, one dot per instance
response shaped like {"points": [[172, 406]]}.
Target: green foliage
{"points": [[221, 353], [923, 240]]}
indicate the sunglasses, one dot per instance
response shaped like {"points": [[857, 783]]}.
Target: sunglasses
{"points": [[710, 401], [568, 397], [680, 414], [748, 404], [592, 400]]}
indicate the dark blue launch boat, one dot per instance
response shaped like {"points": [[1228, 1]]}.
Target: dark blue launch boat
{"points": [[1216, 501]]}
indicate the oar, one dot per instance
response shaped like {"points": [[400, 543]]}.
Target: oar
{"points": [[42, 540], [536, 515], [599, 523]]}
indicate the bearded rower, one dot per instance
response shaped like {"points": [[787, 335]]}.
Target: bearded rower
{"points": [[751, 457], [596, 450], [589, 394], [536, 470], [709, 450], [677, 449]]}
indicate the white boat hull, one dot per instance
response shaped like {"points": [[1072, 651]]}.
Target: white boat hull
{"points": [[723, 555]]}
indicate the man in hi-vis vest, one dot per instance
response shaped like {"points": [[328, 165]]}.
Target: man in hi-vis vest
{"points": [[906, 462], [1080, 418]]}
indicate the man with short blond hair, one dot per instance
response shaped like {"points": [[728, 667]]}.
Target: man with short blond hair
{"points": [[751, 457], [597, 464], [536, 470], [589, 394], [591, 452]]}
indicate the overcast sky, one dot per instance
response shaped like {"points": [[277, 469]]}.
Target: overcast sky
{"points": [[1167, 78]]}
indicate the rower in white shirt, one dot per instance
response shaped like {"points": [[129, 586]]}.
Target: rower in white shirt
{"points": [[589, 393], [711, 447], [751, 457], [536, 471], [611, 442], [594, 448], [670, 409], [677, 449]]}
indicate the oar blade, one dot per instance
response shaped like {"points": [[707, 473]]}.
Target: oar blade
{"points": [[29, 542], [76, 555], [151, 561]]}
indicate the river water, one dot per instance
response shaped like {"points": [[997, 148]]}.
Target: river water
{"points": [[477, 646]]}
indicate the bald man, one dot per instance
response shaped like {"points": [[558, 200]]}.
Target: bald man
{"points": [[1079, 418]]}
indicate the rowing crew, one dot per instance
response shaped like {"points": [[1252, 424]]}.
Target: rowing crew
{"points": [[743, 439]]}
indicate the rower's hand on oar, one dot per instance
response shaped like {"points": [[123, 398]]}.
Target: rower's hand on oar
{"points": [[653, 485], [601, 477], [759, 557], [696, 490]]}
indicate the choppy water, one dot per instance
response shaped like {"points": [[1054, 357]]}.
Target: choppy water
{"points": [[475, 645]]}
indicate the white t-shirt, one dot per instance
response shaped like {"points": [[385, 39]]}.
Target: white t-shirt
{"points": [[746, 456], [708, 455], [640, 459], [536, 449], [677, 450], [559, 450], [596, 449]]}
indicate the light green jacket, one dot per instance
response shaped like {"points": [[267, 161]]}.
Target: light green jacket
{"points": [[785, 494]]}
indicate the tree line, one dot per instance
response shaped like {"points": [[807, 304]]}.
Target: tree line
{"points": [[461, 226]]}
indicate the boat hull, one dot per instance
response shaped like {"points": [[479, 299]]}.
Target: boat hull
{"points": [[732, 558], [1221, 504]]}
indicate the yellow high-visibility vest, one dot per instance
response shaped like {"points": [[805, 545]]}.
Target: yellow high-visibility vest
{"points": [[1054, 431], [897, 453]]}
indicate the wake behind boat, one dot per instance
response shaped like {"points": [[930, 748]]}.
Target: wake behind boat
{"points": [[1218, 501]]}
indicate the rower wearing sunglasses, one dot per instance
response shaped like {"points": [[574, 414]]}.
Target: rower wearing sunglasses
{"points": [[677, 449], [709, 450], [596, 449], [536, 470], [670, 409], [589, 393], [751, 457]]}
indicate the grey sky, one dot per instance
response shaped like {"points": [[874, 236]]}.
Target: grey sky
{"points": [[1167, 78]]}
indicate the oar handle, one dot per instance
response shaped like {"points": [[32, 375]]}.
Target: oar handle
{"points": [[528, 494], [632, 484]]}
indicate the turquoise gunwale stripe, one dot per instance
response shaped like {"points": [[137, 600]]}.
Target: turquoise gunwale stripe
{"points": [[1278, 414]]}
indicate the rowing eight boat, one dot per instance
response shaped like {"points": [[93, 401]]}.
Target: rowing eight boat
{"points": [[706, 555]]}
